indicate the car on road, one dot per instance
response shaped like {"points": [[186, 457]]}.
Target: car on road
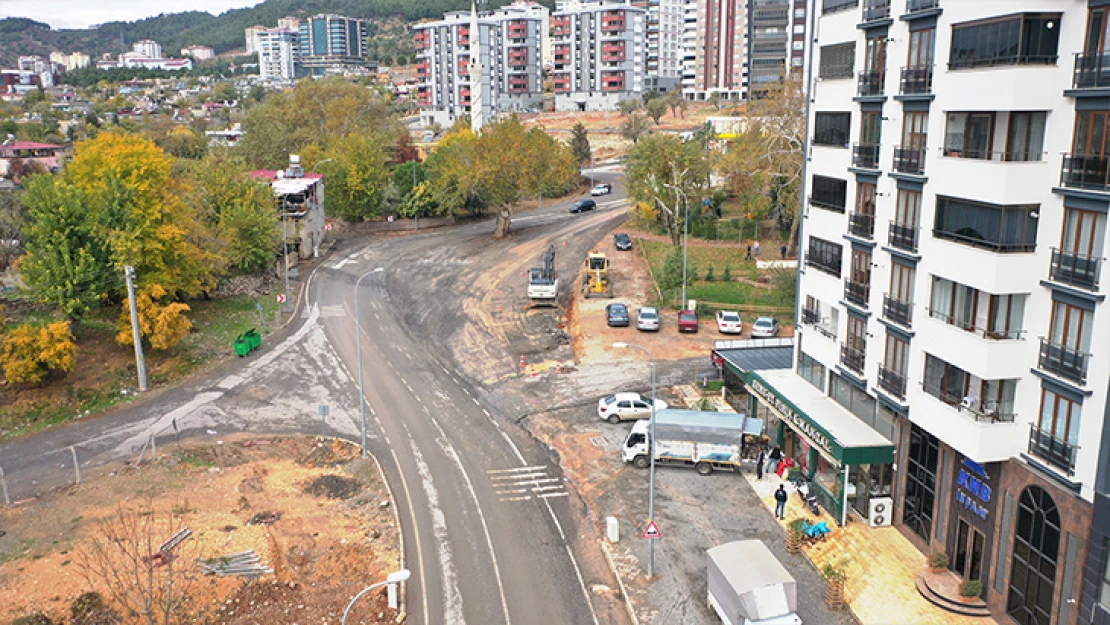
{"points": [[602, 189], [622, 406], [687, 321], [582, 206], [622, 241], [728, 322], [647, 319], [616, 314], [765, 327]]}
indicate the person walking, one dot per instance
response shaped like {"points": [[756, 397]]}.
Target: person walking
{"points": [[755, 249], [759, 466], [748, 255], [774, 459], [780, 502], [782, 252]]}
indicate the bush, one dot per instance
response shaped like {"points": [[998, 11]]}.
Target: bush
{"points": [[35, 618], [709, 277], [832, 573], [90, 609], [30, 352], [727, 275], [938, 560], [796, 527], [971, 588]]}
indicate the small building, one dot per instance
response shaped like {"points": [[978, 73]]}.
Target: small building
{"points": [[46, 154], [300, 202], [200, 53]]}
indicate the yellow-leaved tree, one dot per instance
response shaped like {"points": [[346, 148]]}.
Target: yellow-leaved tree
{"points": [[29, 352], [161, 321]]}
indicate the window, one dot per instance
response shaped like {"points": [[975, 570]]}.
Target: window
{"points": [[862, 221], [811, 370], [997, 228], [1058, 429], [829, 193], [892, 374], [1005, 316], [874, 59], [968, 135], [1025, 140], [824, 255], [860, 271], [1033, 564], [831, 6], [901, 281], [921, 483], [1029, 38], [1080, 254], [870, 131], [857, 401], [922, 44], [954, 303], [945, 381], [915, 129], [838, 61], [832, 129], [1071, 327]]}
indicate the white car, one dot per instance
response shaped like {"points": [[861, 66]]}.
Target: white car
{"points": [[728, 322], [623, 406], [765, 327], [647, 319], [602, 189]]}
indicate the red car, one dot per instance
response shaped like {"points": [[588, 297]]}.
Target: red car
{"points": [[687, 321]]}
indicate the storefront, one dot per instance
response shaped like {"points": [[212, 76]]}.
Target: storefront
{"points": [[971, 525]]}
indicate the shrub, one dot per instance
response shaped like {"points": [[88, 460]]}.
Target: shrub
{"points": [[709, 277], [34, 618], [832, 573], [30, 352], [971, 588], [796, 527], [938, 560], [727, 275], [163, 324], [90, 609]]}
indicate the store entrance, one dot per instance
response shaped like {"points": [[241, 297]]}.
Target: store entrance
{"points": [[967, 559]]}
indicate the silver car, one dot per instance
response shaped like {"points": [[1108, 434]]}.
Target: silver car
{"points": [[647, 319], [765, 327]]}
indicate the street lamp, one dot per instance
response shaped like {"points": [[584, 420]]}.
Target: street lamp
{"points": [[395, 577], [685, 235], [358, 344], [651, 454]]}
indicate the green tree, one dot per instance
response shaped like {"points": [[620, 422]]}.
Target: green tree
{"points": [[453, 174], [627, 107], [580, 144], [357, 175], [239, 210], [656, 108], [676, 102], [224, 91], [663, 172], [407, 176], [13, 217], [635, 127]]}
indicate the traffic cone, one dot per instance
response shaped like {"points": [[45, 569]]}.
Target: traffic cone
{"points": [[522, 365], [533, 369]]}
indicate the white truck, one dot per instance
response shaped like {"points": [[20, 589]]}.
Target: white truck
{"points": [[703, 440], [543, 283], [747, 585]]}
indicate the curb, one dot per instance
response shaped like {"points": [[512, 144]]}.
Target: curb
{"points": [[620, 582]]}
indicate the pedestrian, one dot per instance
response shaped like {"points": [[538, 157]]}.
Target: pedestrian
{"points": [[748, 255], [782, 251], [759, 466], [774, 459], [780, 502], [755, 249]]}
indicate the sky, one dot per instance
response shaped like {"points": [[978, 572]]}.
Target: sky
{"points": [[84, 13]]}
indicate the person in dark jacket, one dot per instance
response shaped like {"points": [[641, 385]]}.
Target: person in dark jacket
{"points": [[780, 502], [759, 466], [774, 459]]}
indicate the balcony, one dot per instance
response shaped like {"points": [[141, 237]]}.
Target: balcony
{"points": [[916, 81], [810, 317], [862, 225], [1066, 362], [853, 358], [1076, 270], [903, 237], [1086, 171], [969, 326], [1055, 451], [874, 10], [897, 311], [865, 156], [988, 412], [612, 25], [827, 263], [833, 6], [892, 382], [916, 6], [909, 160], [870, 84], [1092, 71], [857, 292]]}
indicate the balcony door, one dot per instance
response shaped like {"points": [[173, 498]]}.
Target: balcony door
{"points": [[922, 44], [915, 128], [871, 123], [1098, 27], [1071, 327], [874, 60], [1084, 233], [1092, 128], [857, 334], [901, 282], [861, 268]]}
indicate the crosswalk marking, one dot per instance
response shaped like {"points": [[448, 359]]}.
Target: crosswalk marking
{"points": [[515, 470], [525, 483]]}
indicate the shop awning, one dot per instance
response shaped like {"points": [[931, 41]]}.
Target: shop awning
{"points": [[835, 432], [757, 354]]}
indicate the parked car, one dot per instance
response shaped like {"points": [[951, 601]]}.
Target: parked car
{"points": [[765, 327], [617, 315], [728, 322], [582, 206], [622, 241], [602, 189], [647, 319], [620, 406], [687, 321]]}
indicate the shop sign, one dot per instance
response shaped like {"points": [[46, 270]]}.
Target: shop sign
{"points": [[973, 491], [799, 422]]}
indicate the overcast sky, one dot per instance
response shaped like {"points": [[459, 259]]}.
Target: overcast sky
{"points": [[84, 13]]}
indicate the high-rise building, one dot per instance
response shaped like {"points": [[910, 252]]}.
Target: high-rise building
{"points": [[776, 41], [508, 42], [332, 42], [720, 50], [599, 55], [250, 36], [290, 23], [147, 49], [277, 53], [664, 23], [952, 314], [689, 46], [71, 61]]}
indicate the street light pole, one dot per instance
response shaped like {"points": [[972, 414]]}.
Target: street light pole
{"points": [[651, 455], [358, 348], [685, 236], [395, 577]]}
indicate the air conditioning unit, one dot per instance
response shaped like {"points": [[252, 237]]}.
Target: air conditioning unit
{"points": [[879, 511]]}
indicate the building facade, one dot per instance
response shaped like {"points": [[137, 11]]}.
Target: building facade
{"points": [[277, 53], [599, 55], [147, 48], [332, 43], [250, 36], [200, 53], [664, 27], [720, 50], [508, 41], [71, 61], [776, 41]]}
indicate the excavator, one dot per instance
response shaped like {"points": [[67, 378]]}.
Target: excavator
{"points": [[596, 281], [543, 282]]}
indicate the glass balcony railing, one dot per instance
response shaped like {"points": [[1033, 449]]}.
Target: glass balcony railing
{"points": [[1092, 71], [865, 156], [1053, 450], [916, 81], [1067, 362], [903, 237], [862, 225], [914, 6], [897, 311], [1085, 171], [909, 160], [892, 382], [857, 292], [1078, 270], [852, 357], [874, 10], [870, 83]]}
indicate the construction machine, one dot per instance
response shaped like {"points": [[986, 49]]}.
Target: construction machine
{"points": [[596, 281], [543, 283]]}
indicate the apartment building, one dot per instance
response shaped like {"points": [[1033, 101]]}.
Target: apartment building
{"points": [[776, 41], [599, 54], [664, 52], [278, 50], [508, 44], [689, 47], [720, 50], [250, 37], [332, 43], [70, 61], [949, 371]]}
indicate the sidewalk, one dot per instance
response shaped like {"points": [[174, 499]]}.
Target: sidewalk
{"points": [[881, 565]]}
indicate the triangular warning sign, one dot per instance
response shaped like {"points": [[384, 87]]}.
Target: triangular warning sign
{"points": [[652, 531]]}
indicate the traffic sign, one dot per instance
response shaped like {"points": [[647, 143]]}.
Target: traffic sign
{"points": [[281, 298], [391, 219], [327, 227], [652, 531]]}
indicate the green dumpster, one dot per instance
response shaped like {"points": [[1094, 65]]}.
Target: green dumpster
{"points": [[254, 338], [242, 345]]}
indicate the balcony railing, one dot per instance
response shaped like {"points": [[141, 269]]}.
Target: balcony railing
{"points": [[810, 317], [903, 237], [862, 225], [1055, 451], [913, 6], [916, 81], [973, 238], [997, 156], [1086, 171], [898, 311], [832, 6], [824, 262], [870, 83], [1091, 71], [1066, 362], [909, 160], [857, 292], [968, 325], [875, 10], [1078, 270], [852, 357], [892, 382], [865, 156]]}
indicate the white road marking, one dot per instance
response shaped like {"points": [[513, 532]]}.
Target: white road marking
{"points": [[562, 494], [524, 498], [475, 401], [486, 412], [517, 469], [518, 476], [570, 554], [511, 491], [545, 488]]}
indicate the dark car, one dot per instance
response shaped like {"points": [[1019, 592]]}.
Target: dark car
{"points": [[622, 241], [582, 206], [617, 315], [687, 321]]}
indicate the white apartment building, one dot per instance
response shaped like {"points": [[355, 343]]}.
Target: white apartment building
{"points": [[291, 23], [147, 49], [71, 61], [200, 53], [250, 36], [689, 46], [665, 24], [720, 50], [599, 54], [952, 352], [277, 53], [508, 42]]}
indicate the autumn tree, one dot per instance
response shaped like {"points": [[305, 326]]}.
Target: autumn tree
{"points": [[580, 144], [13, 217], [28, 353], [627, 107], [239, 210], [452, 174], [357, 174], [162, 321], [665, 172]]}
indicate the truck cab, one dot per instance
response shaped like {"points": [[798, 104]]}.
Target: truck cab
{"points": [[635, 448]]}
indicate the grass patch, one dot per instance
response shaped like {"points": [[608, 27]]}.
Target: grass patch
{"points": [[194, 461], [704, 258], [712, 387], [17, 551]]}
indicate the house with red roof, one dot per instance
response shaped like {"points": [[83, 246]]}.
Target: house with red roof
{"points": [[300, 202], [46, 154]]}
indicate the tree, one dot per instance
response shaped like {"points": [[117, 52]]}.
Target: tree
{"points": [[407, 176], [13, 217], [357, 175], [30, 352], [634, 127], [580, 144], [239, 210], [659, 170], [161, 321], [224, 91], [676, 102], [627, 107], [656, 108], [453, 179]]}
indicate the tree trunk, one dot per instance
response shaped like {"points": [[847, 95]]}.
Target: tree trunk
{"points": [[504, 217], [792, 243]]}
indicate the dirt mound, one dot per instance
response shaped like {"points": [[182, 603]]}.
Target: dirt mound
{"points": [[327, 454], [264, 518], [334, 487]]}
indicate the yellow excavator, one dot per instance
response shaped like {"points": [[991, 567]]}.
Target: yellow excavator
{"points": [[596, 281]]}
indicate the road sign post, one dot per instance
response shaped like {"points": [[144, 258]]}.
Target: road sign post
{"points": [[651, 532]]}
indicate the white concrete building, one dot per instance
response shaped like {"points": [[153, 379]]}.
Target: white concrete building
{"points": [[291, 23], [71, 61], [599, 54], [250, 36], [664, 24], [147, 48], [509, 49], [689, 46], [200, 53], [277, 53], [720, 50]]}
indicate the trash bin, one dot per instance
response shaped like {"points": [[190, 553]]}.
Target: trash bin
{"points": [[242, 345], [253, 338]]}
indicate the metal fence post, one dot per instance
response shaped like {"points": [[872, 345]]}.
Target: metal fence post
{"points": [[76, 465], [4, 487], [153, 447]]}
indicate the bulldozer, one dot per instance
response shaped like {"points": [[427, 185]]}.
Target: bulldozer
{"points": [[596, 281]]}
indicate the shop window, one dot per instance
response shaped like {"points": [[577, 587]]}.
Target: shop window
{"points": [[828, 475], [866, 481], [1033, 566], [811, 370], [921, 483], [851, 397]]}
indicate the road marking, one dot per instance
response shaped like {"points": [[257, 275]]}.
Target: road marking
{"points": [[525, 498], [527, 482], [517, 469], [487, 412], [519, 476], [475, 401], [466, 390], [550, 495], [511, 491], [573, 562]]}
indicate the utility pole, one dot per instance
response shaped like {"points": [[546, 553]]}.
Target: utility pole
{"points": [[140, 364], [285, 256]]}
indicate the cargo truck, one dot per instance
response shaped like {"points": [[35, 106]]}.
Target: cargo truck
{"points": [[704, 440], [747, 585]]}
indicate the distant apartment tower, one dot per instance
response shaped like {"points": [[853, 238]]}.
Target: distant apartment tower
{"points": [[332, 42], [251, 38], [599, 54], [200, 53], [689, 46], [664, 49], [147, 49], [290, 23], [776, 41], [277, 53], [720, 50], [71, 61], [509, 44]]}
